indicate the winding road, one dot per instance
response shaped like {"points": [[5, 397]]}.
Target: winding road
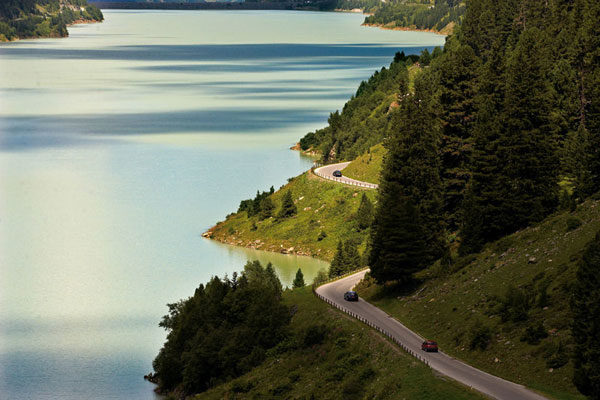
{"points": [[483, 382], [326, 172]]}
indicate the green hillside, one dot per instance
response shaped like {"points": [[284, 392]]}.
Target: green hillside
{"points": [[345, 359], [504, 310], [367, 167], [363, 122]]}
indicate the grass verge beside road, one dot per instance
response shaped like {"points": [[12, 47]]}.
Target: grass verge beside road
{"points": [[367, 167]]}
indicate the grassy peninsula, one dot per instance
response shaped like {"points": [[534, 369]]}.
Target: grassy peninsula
{"points": [[325, 215], [24, 19]]}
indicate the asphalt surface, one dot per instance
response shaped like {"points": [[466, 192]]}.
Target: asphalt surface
{"points": [[327, 173], [483, 382]]}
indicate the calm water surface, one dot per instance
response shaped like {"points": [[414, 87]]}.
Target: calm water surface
{"points": [[120, 145]]}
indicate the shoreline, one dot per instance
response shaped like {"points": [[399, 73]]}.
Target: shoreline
{"points": [[404, 29], [257, 245]]}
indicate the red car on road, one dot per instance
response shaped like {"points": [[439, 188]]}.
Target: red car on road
{"points": [[429, 345]]}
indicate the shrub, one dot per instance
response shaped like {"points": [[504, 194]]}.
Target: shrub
{"points": [[534, 334], [281, 389], [353, 388], [556, 355], [315, 334], [543, 296], [320, 278], [241, 386], [515, 305], [573, 223], [294, 377], [480, 336]]}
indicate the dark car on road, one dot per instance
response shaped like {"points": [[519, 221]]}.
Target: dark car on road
{"points": [[351, 296], [429, 345], [337, 173]]}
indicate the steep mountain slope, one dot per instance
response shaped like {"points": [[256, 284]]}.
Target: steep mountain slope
{"points": [[506, 309]]}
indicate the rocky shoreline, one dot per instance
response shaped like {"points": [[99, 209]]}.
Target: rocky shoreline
{"points": [[258, 244], [407, 29]]}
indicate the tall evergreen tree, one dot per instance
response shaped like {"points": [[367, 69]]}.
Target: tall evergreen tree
{"points": [[412, 161], [585, 306], [527, 147], [338, 264], [589, 70], [288, 208], [352, 258], [408, 230], [299, 279], [457, 71], [266, 208], [515, 175], [398, 247], [364, 214]]}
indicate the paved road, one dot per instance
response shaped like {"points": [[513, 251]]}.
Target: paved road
{"points": [[327, 173], [488, 384]]}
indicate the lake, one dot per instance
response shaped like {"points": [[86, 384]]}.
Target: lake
{"points": [[120, 145]]}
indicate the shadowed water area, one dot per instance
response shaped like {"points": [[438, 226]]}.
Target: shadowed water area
{"points": [[120, 145]]}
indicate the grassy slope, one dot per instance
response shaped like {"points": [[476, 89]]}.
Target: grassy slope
{"points": [[367, 167], [445, 307], [352, 362], [325, 206]]}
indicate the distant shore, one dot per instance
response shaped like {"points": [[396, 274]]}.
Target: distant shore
{"points": [[445, 31], [117, 5]]}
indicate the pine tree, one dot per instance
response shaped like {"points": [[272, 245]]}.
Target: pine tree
{"points": [[413, 164], [398, 248], [585, 306], [590, 92], [299, 279], [288, 208], [457, 70], [266, 208], [338, 264], [352, 259], [408, 230], [576, 161], [364, 214], [515, 163], [527, 147]]}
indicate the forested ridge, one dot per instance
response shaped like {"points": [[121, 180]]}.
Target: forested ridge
{"points": [[20, 19], [511, 105], [498, 131], [436, 15]]}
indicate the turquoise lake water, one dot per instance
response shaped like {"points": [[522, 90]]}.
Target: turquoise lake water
{"points": [[120, 145]]}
